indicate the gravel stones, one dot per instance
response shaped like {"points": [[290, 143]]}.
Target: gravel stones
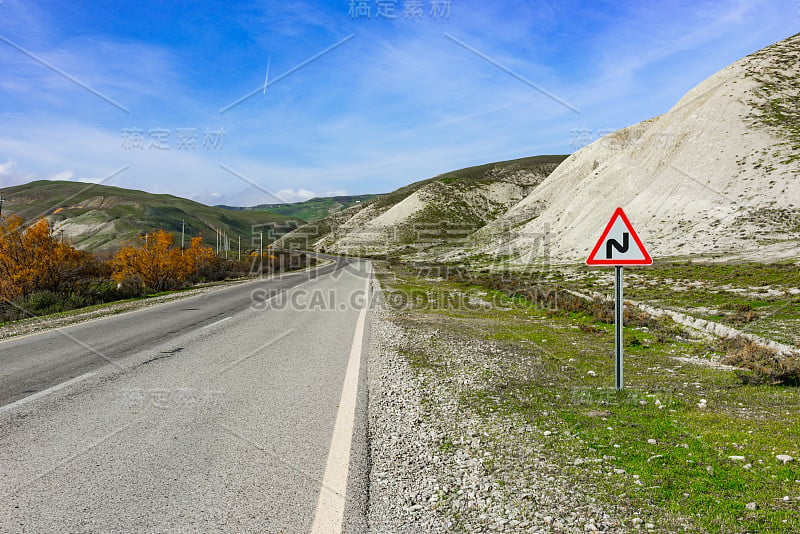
{"points": [[439, 467]]}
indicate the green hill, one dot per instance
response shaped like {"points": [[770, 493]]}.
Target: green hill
{"points": [[310, 210], [101, 217]]}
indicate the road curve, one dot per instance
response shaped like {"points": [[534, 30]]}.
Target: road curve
{"points": [[208, 414]]}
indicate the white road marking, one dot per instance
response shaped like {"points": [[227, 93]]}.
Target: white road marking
{"points": [[329, 515], [42, 393], [218, 322]]}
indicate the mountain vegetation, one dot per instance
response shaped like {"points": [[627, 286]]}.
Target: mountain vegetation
{"points": [[42, 274], [98, 217]]}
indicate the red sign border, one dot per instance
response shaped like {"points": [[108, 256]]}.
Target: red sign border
{"points": [[647, 260]]}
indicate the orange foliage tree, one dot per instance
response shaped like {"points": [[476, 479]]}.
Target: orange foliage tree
{"points": [[158, 265], [200, 261], [31, 259]]}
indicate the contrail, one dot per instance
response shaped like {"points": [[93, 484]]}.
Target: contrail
{"points": [[266, 78]]}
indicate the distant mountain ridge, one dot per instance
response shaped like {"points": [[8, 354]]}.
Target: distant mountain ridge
{"points": [[98, 217], [310, 210]]}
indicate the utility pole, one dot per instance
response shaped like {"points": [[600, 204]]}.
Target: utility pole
{"points": [[1, 203], [239, 257], [261, 254], [183, 232]]}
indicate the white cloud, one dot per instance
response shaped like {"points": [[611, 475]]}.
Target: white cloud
{"points": [[336, 193], [5, 168], [62, 175], [295, 195]]}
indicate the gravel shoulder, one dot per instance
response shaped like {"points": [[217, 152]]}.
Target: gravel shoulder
{"points": [[438, 467]]}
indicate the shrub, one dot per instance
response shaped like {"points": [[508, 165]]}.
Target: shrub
{"points": [[765, 365], [741, 318]]}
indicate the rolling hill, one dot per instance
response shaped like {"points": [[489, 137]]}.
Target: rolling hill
{"points": [[431, 216], [101, 217]]}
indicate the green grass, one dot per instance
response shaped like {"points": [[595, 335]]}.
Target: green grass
{"points": [[673, 472], [743, 274], [776, 314], [561, 380], [777, 104]]}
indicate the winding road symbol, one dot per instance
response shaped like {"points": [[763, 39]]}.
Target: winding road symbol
{"points": [[619, 244]]}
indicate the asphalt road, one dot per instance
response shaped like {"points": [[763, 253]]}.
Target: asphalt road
{"points": [[207, 414]]}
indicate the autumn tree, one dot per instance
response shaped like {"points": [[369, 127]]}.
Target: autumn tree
{"points": [[156, 264], [200, 262], [32, 259]]}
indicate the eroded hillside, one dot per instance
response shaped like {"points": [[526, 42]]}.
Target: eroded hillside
{"points": [[715, 176], [429, 217]]}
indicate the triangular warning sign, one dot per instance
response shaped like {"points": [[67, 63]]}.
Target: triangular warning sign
{"points": [[619, 244]]}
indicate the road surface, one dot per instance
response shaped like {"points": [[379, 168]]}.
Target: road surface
{"points": [[208, 414]]}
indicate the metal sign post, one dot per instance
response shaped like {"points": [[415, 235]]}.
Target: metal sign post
{"points": [[619, 338], [619, 245]]}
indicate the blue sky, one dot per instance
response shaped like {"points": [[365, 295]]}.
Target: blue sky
{"points": [[141, 94]]}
